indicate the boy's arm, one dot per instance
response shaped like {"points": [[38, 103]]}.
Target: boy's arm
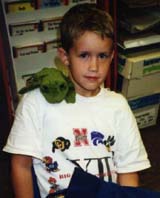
{"points": [[128, 179], [22, 176]]}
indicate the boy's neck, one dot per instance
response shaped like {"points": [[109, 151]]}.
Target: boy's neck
{"points": [[89, 94]]}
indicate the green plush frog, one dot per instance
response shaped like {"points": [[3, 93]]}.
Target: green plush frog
{"points": [[53, 84]]}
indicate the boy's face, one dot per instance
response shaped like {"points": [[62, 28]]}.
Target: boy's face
{"points": [[88, 62]]}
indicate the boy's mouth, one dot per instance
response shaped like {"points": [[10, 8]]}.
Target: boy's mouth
{"points": [[92, 78]]}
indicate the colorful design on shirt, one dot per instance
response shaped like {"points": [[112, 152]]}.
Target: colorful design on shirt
{"points": [[109, 142], [98, 137], [50, 165], [80, 137], [61, 144], [54, 187]]}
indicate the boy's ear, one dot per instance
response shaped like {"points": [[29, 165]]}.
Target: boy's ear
{"points": [[112, 54], [62, 54]]}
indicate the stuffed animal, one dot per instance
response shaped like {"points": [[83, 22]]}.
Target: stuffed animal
{"points": [[53, 84]]}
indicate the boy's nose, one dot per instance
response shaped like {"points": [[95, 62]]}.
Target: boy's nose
{"points": [[93, 66]]}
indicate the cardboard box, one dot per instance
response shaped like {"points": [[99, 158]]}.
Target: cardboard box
{"points": [[140, 102], [139, 64], [19, 29], [51, 24], [147, 85], [147, 116], [26, 50], [145, 109], [51, 45]]}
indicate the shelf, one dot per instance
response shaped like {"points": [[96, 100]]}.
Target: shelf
{"points": [[33, 37], [33, 63], [39, 14]]}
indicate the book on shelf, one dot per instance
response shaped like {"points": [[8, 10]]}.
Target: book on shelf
{"points": [[141, 4], [51, 3], [19, 5], [129, 41], [140, 20]]}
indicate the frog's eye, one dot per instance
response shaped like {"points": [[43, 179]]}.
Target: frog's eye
{"points": [[62, 86], [44, 88]]}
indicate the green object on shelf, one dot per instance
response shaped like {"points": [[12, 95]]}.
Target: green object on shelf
{"points": [[53, 84]]}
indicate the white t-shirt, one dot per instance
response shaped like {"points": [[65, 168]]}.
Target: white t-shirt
{"points": [[98, 134]]}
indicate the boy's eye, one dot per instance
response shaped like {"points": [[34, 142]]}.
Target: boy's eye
{"points": [[84, 55], [103, 55]]}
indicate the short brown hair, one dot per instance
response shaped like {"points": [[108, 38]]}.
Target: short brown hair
{"points": [[81, 18]]}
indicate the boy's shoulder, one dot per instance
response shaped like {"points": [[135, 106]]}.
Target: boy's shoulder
{"points": [[34, 96], [115, 99], [114, 95]]}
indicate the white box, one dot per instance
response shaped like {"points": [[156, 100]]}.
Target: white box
{"points": [[138, 65], [52, 44], [26, 50], [147, 116], [147, 85], [19, 29], [51, 24]]}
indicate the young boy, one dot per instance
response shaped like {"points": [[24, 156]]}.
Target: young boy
{"points": [[97, 133]]}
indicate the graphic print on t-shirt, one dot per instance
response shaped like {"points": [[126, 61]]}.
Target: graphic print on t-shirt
{"points": [[61, 144], [54, 187], [98, 138], [51, 166], [81, 138]]}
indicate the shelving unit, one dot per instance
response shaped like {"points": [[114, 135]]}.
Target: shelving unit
{"points": [[139, 58], [33, 62]]}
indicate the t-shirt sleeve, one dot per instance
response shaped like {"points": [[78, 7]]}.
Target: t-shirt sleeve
{"points": [[26, 133], [130, 155]]}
